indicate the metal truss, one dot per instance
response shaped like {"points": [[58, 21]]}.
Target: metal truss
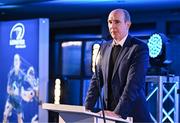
{"points": [[167, 100]]}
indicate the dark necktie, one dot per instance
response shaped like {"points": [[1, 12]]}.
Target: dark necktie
{"points": [[114, 53]]}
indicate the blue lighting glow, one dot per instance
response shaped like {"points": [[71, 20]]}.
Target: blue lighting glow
{"points": [[155, 45], [83, 0], [1, 4], [8, 6]]}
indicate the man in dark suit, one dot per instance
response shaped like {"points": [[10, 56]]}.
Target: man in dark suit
{"points": [[121, 69]]}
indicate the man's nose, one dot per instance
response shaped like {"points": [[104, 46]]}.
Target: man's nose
{"points": [[113, 24]]}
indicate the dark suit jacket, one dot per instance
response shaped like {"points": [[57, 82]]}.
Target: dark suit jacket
{"points": [[128, 79]]}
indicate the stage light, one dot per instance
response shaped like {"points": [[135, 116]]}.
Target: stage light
{"points": [[57, 91], [158, 45], [95, 55], [155, 45]]}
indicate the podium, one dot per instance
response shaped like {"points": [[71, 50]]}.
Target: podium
{"points": [[77, 114]]}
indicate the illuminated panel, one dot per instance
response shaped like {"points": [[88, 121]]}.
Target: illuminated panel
{"points": [[71, 58]]}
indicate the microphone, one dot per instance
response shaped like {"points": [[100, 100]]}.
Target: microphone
{"points": [[98, 82]]}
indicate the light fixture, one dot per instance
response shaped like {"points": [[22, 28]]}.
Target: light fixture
{"points": [[155, 45], [95, 55], [57, 91], [158, 45]]}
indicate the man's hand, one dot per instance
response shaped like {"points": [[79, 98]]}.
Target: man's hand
{"points": [[109, 113]]}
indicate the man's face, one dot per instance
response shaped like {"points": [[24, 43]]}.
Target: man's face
{"points": [[118, 28]]}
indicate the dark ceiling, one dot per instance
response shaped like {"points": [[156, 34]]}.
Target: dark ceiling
{"points": [[78, 9]]}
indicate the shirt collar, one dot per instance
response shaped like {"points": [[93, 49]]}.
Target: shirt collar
{"points": [[120, 42]]}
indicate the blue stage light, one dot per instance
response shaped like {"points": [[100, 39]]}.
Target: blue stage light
{"points": [[155, 45], [158, 45]]}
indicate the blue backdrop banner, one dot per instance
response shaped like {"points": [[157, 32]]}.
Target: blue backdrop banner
{"points": [[19, 68]]}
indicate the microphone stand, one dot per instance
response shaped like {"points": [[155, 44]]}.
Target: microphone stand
{"points": [[99, 86]]}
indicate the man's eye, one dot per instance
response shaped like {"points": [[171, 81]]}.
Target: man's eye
{"points": [[117, 21], [110, 22]]}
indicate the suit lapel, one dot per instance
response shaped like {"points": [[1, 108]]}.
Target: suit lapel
{"points": [[120, 56], [109, 49]]}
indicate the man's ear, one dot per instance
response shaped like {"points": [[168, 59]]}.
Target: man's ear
{"points": [[128, 24]]}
